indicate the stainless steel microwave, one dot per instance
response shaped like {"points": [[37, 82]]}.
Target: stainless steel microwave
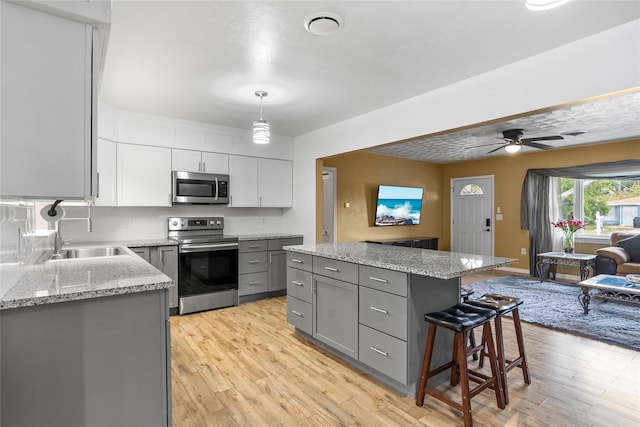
{"points": [[200, 188]]}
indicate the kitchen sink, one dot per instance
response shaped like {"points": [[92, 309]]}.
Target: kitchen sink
{"points": [[89, 252]]}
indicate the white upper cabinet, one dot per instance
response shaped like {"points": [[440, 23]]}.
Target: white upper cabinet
{"points": [[275, 183], [107, 190], [258, 182], [46, 136], [243, 181], [196, 161], [143, 175]]}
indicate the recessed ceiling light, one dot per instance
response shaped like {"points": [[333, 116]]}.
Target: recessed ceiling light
{"points": [[544, 4], [323, 23]]}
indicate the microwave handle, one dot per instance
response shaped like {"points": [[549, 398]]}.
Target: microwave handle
{"points": [[217, 189]]}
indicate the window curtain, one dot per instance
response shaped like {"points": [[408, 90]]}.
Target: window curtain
{"points": [[535, 200]]}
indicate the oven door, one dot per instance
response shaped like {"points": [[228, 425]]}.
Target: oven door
{"points": [[207, 268]]}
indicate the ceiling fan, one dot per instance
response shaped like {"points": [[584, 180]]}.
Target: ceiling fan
{"points": [[514, 141]]}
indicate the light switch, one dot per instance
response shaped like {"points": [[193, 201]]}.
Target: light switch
{"points": [[498, 209], [498, 217], [347, 205]]}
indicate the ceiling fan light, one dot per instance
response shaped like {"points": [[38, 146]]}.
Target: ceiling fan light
{"points": [[544, 4], [512, 148], [261, 132]]}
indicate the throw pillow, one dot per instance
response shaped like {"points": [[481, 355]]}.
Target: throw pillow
{"points": [[632, 246]]}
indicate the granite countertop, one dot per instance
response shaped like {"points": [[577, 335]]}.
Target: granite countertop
{"points": [[267, 236], [423, 262], [76, 279], [162, 241]]}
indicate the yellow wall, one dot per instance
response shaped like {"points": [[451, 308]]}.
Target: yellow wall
{"points": [[358, 175]]}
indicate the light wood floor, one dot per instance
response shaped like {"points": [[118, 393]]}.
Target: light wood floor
{"points": [[245, 366]]}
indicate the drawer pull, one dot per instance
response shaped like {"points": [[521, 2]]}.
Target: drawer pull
{"points": [[297, 313], [335, 270], [254, 246], [254, 262], [379, 310], [299, 261], [257, 282], [384, 353], [297, 283], [377, 279]]}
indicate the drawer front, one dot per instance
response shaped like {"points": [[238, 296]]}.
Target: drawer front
{"points": [[299, 314], [299, 261], [299, 284], [277, 244], [252, 262], [341, 270], [383, 353], [384, 312], [394, 282], [253, 283], [253, 246]]}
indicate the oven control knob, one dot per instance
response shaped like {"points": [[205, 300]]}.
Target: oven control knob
{"points": [[174, 223], [218, 222]]}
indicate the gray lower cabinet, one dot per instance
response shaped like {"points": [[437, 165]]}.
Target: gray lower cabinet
{"points": [[373, 315], [262, 268], [165, 259], [95, 362], [335, 313]]}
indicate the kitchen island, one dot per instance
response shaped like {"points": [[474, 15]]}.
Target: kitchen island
{"points": [[86, 342], [366, 303]]}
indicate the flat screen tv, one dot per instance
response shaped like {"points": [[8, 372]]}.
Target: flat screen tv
{"points": [[398, 205]]}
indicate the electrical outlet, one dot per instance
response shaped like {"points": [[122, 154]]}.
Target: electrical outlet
{"points": [[523, 251]]}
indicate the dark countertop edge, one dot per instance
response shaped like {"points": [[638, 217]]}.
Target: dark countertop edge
{"points": [[400, 268], [78, 296]]}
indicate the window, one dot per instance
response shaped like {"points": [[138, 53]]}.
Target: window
{"points": [[471, 190], [605, 205]]}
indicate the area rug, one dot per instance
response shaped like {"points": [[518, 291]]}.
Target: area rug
{"points": [[555, 305]]}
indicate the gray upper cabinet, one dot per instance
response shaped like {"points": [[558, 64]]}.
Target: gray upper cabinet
{"points": [[49, 87]]}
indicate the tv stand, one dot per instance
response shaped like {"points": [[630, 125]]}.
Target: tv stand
{"points": [[413, 242]]}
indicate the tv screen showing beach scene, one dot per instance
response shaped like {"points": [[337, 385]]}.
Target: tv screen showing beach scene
{"points": [[398, 205]]}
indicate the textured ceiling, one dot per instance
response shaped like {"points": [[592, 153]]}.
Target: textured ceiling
{"points": [[203, 60], [605, 120]]}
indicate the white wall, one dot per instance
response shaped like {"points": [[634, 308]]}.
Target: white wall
{"points": [[604, 63], [129, 223]]}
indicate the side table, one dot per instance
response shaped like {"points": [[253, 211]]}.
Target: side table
{"points": [[553, 259]]}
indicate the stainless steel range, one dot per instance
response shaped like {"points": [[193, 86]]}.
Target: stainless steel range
{"points": [[208, 263]]}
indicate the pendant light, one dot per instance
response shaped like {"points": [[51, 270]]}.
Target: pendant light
{"points": [[261, 128], [512, 148]]}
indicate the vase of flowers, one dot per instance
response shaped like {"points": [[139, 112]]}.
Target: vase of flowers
{"points": [[568, 228]]}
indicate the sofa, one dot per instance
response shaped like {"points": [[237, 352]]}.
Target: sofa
{"points": [[622, 257]]}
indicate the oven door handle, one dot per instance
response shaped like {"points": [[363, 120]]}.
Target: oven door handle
{"points": [[188, 247]]}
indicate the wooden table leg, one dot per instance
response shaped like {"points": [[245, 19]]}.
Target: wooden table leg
{"points": [[584, 299]]}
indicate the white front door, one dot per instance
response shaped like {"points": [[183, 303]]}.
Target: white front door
{"points": [[472, 215]]}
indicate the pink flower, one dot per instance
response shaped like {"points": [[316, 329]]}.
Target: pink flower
{"points": [[569, 226]]}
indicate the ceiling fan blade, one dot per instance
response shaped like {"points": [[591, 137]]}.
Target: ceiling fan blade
{"points": [[536, 145], [541, 138], [499, 148]]}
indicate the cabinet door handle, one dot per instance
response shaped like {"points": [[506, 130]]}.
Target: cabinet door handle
{"points": [[204, 167], [254, 262], [297, 260], [384, 353], [254, 246], [257, 282], [335, 270], [98, 185], [379, 310], [377, 279], [297, 283], [297, 313]]}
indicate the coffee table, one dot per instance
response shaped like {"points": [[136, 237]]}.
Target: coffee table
{"points": [[553, 259], [611, 287]]}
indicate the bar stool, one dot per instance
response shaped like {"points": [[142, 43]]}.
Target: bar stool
{"points": [[461, 319], [503, 305], [465, 292]]}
